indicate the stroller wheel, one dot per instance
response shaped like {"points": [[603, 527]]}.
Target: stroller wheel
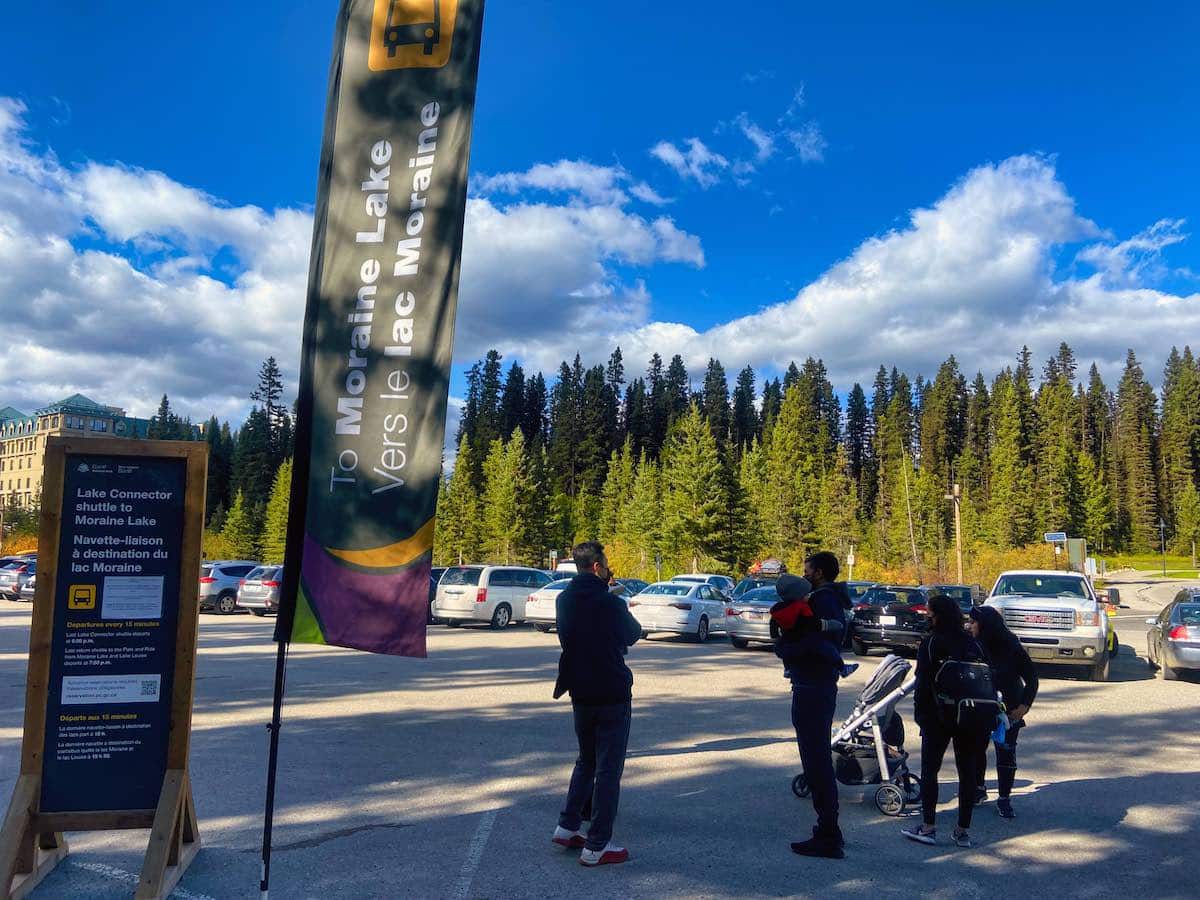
{"points": [[800, 785], [890, 800], [911, 785]]}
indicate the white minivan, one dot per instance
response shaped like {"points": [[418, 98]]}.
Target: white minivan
{"points": [[494, 594]]}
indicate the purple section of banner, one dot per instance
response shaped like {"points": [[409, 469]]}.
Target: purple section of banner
{"points": [[381, 612]]}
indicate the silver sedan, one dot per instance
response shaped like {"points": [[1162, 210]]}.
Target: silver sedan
{"points": [[680, 607], [541, 605], [750, 617]]}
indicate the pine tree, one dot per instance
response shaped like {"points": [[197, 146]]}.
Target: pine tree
{"points": [[275, 522], [641, 522], [859, 456], [1010, 510], [566, 429], [269, 393], [744, 423], [506, 494], [1187, 520], [1056, 446], [772, 400], [239, 530], [1134, 450], [512, 401], [534, 422], [457, 538], [692, 487], [164, 424], [837, 524], [1180, 443], [714, 404], [1097, 502], [617, 490]]}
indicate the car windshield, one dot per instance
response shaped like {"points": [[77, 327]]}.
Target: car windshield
{"points": [[883, 596], [461, 575], [961, 595], [760, 595], [260, 572], [206, 571], [857, 590], [679, 589], [1189, 614], [559, 585], [1040, 585], [749, 584]]}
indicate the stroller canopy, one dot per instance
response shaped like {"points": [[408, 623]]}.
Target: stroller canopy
{"points": [[889, 675]]}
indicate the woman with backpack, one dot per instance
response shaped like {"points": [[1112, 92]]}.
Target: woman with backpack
{"points": [[951, 707], [1017, 682]]}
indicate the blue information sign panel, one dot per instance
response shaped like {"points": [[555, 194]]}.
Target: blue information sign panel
{"points": [[108, 713], [1056, 537]]}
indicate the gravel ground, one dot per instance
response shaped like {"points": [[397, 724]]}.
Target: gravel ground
{"points": [[443, 778]]}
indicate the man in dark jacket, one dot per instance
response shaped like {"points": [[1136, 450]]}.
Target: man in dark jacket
{"points": [[814, 678], [595, 629]]}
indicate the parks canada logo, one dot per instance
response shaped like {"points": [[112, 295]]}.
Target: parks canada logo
{"points": [[411, 34]]}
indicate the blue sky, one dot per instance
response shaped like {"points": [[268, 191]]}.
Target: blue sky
{"points": [[1067, 133]]}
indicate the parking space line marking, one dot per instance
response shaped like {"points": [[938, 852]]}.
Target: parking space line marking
{"points": [[475, 854], [115, 874]]}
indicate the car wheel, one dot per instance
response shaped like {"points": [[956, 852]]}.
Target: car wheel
{"points": [[1150, 655], [227, 604], [800, 785], [544, 629], [702, 630], [1100, 668], [889, 800], [1169, 674], [1116, 646], [860, 649], [501, 617], [740, 643], [258, 612], [452, 623]]}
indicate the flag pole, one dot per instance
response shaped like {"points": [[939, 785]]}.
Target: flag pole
{"points": [[264, 884]]}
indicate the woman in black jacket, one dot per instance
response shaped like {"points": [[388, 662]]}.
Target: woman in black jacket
{"points": [[1017, 681], [947, 640]]}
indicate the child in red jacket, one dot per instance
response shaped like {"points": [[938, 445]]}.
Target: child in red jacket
{"points": [[795, 620]]}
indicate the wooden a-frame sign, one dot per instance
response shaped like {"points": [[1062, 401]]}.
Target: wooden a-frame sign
{"points": [[119, 553]]}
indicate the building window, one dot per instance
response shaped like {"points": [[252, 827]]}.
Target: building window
{"points": [[99, 425], [75, 422]]}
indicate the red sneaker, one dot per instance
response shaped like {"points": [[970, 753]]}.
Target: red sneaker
{"points": [[572, 840], [610, 856]]}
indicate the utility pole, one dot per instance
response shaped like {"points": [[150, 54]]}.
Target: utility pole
{"points": [[956, 495], [1162, 536]]}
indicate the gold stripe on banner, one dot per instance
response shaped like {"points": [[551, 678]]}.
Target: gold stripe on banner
{"points": [[391, 556]]}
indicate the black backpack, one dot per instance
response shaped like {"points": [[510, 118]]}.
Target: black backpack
{"points": [[965, 690]]}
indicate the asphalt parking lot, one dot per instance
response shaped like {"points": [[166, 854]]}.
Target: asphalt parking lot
{"points": [[443, 778]]}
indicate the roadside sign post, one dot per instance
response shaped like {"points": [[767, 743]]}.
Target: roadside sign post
{"points": [[1058, 539], [850, 563], [112, 651]]}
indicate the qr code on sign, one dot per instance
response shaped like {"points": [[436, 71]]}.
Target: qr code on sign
{"points": [[149, 687]]}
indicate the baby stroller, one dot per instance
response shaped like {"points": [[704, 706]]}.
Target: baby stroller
{"points": [[868, 748]]}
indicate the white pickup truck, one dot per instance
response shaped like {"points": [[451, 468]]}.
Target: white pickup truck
{"points": [[1058, 617]]}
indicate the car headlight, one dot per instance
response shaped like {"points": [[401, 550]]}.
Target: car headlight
{"points": [[1087, 618]]}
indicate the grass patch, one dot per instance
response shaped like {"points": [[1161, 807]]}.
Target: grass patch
{"points": [[1149, 562], [1182, 574]]}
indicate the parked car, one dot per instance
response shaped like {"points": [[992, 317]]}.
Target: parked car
{"points": [[259, 590], [495, 594], [682, 607], [894, 617], [435, 575], [1173, 641], [1058, 618], [540, 606], [566, 569], [722, 583], [633, 585], [750, 617], [29, 589], [219, 581], [858, 589], [14, 575], [963, 594]]}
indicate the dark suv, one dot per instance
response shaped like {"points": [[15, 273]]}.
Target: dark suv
{"points": [[894, 617]]}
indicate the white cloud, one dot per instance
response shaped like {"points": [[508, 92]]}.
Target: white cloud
{"points": [[972, 275], [108, 286], [763, 141], [1138, 259], [697, 163], [808, 141]]}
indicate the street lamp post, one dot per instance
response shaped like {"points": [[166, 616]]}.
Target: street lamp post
{"points": [[956, 496]]}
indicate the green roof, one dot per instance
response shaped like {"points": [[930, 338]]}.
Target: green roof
{"points": [[10, 412], [76, 402]]}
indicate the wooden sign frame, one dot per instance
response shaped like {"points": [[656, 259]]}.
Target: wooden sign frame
{"points": [[32, 842]]}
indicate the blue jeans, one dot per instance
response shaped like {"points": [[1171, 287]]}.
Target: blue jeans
{"points": [[603, 733], [813, 709]]}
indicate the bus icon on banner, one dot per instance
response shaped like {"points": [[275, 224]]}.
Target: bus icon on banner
{"points": [[408, 34]]}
